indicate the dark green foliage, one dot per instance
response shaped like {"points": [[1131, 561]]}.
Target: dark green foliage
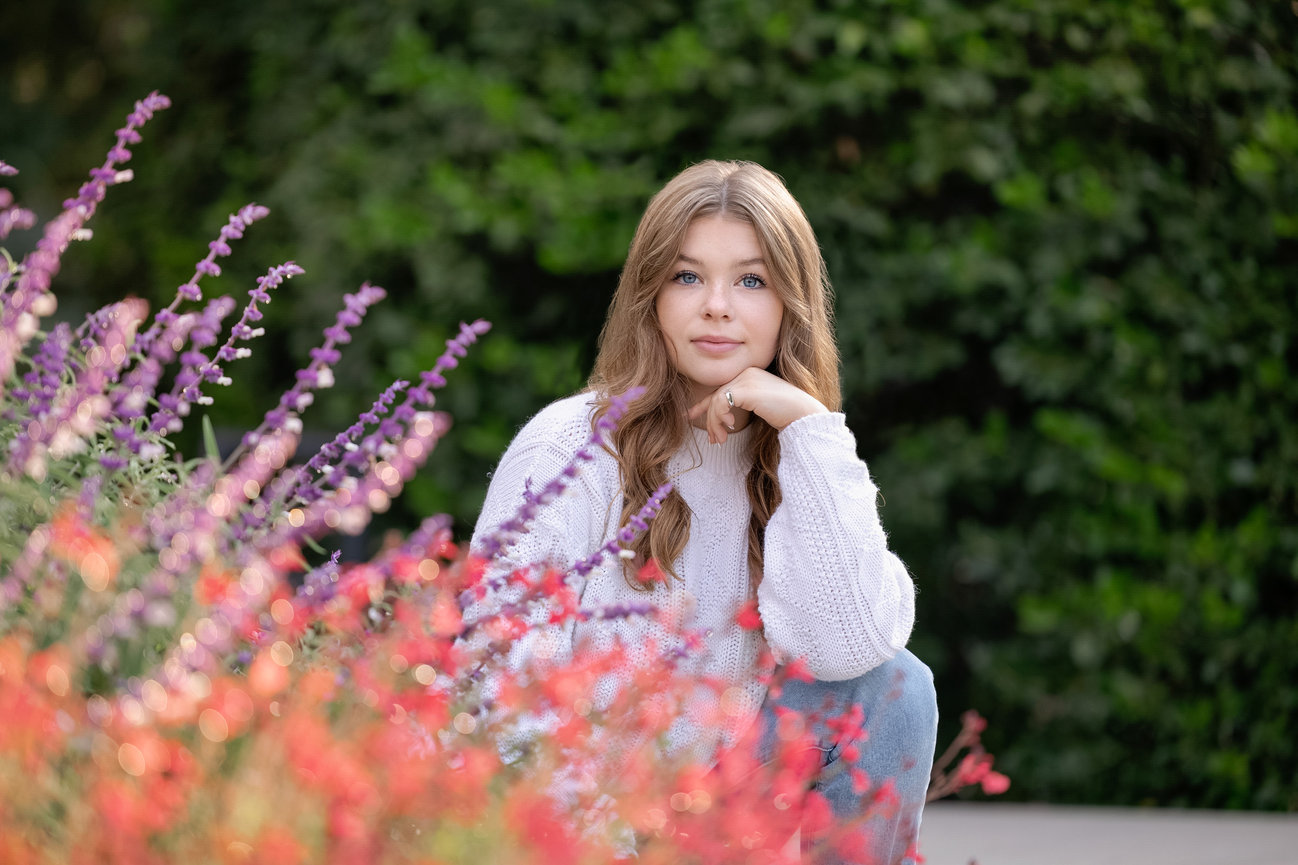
{"points": [[1062, 235]]}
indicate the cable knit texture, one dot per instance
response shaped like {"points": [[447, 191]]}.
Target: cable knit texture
{"points": [[832, 593]]}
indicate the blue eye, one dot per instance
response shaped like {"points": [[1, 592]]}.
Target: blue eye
{"points": [[687, 277], [752, 280]]}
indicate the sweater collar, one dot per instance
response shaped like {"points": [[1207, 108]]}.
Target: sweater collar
{"points": [[726, 459]]}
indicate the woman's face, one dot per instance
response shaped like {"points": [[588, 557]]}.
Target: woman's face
{"points": [[718, 311]]}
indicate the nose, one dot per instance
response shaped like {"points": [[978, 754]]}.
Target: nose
{"points": [[716, 302]]}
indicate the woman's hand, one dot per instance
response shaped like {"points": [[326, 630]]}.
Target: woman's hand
{"points": [[753, 391]]}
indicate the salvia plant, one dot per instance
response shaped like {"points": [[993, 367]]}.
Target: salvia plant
{"points": [[186, 677]]}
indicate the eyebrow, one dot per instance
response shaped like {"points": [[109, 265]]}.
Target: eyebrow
{"points": [[747, 262]]}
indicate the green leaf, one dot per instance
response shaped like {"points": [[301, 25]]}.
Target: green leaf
{"points": [[210, 448]]}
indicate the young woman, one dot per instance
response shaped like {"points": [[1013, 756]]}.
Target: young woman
{"points": [[723, 316]]}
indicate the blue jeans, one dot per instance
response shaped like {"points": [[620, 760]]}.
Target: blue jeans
{"points": [[900, 708]]}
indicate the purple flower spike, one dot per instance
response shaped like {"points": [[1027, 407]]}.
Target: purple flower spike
{"points": [[187, 389], [30, 300], [11, 218], [41, 382], [319, 373], [336, 459], [350, 508], [234, 228], [198, 368], [638, 523], [620, 611], [621, 541], [422, 393], [456, 347], [74, 416], [89, 494], [130, 397], [508, 532], [7, 170]]}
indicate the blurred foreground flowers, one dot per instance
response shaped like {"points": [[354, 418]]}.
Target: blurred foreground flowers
{"points": [[184, 677]]}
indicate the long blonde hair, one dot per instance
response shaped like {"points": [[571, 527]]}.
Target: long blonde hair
{"points": [[632, 351]]}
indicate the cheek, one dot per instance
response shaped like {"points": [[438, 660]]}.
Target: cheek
{"points": [[663, 314], [775, 317]]}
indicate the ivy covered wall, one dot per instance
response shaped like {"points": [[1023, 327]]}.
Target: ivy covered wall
{"points": [[1063, 236]]}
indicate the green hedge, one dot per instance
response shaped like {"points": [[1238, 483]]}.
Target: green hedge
{"points": [[1062, 235]]}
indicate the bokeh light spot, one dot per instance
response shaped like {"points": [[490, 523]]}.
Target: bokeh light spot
{"points": [[131, 759], [56, 679], [281, 610], [154, 696], [281, 653], [218, 505], [213, 726]]}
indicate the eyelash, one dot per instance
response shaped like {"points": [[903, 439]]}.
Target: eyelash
{"points": [[761, 283]]}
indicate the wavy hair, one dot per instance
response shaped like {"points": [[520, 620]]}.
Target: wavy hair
{"points": [[632, 351]]}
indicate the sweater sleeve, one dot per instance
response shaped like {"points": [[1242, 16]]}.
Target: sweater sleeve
{"points": [[832, 592]]}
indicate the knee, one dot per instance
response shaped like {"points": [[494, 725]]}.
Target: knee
{"points": [[914, 680], [902, 688]]}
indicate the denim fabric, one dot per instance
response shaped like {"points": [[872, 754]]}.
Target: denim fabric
{"points": [[900, 708]]}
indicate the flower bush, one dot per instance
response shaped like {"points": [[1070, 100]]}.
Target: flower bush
{"points": [[186, 675]]}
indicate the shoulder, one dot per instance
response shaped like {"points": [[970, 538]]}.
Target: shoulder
{"points": [[571, 410], [563, 424], [549, 446], [551, 440]]}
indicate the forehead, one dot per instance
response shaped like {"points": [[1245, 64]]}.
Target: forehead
{"points": [[720, 241]]}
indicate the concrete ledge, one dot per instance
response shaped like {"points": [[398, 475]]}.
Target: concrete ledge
{"points": [[994, 833]]}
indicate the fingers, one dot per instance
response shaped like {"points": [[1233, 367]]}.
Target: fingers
{"points": [[752, 392], [719, 413]]}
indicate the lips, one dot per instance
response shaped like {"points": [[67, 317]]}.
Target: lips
{"points": [[715, 344]]}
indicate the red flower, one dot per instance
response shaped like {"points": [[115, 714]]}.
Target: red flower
{"points": [[854, 846], [214, 585], [278, 846], [471, 572], [542, 829], [972, 722], [994, 783], [266, 676], [748, 618], [797, 671], [445, 618], [363, 585], [817, 818], [650, 573], [92, 554], [564, 604], [287, 558], [405, 569]]}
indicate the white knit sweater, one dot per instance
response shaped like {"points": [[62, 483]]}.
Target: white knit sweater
{"points": [[832, 592]]}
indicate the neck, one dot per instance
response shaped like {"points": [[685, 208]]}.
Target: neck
{"points": [[729, 458]]}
